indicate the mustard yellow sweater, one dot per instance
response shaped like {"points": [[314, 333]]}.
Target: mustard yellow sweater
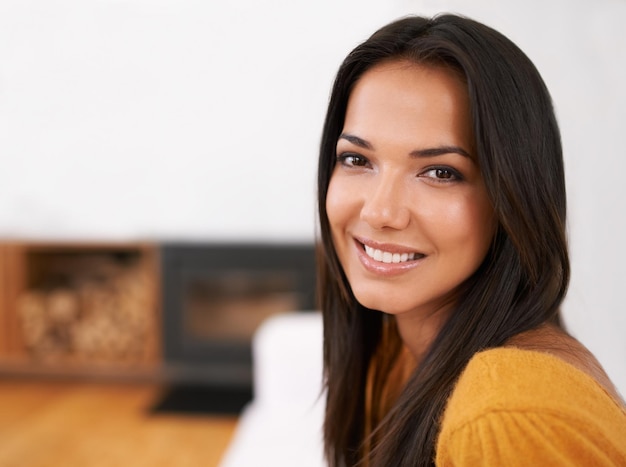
{"points": [[515, 407]]}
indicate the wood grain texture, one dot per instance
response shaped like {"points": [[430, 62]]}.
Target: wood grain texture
{"points": [[54, 424]]}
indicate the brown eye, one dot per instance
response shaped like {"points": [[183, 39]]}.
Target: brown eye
{"points": [[352, 160], [443, 173]]}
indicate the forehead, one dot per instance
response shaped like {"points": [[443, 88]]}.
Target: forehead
{"points": [[404, 100]]}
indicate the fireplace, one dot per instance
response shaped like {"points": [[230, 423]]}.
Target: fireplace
{"points": [[216, 295]]}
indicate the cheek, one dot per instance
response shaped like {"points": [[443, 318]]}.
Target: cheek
{"points": [[478, 229], [338, 203], [466, 223], [481, 217]]}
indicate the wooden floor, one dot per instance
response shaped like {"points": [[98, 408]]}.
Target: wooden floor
{"points": [[54, 424]]}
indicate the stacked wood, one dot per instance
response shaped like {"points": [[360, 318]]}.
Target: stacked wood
{"points": [[103, 313]]}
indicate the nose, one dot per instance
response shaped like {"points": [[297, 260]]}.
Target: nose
{"points": [[385, 205]]}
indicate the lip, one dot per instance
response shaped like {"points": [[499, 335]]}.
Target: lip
{"points": [[384, 269], [391, 248]]}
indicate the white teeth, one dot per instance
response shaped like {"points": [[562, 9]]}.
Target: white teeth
{"points": [[387, 257]]}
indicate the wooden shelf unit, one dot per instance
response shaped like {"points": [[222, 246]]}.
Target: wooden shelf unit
{"points": [[36, 269]]}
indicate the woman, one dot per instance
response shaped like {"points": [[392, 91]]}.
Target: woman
{"points": [[443, 261]]}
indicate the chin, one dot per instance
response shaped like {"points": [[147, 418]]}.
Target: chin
{"points": [[423, 306], [378, 304]]}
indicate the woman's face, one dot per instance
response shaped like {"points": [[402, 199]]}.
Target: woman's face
{"points": [[407, 206]]}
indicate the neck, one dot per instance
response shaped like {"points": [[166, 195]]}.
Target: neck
{"points": [[418, 331]]}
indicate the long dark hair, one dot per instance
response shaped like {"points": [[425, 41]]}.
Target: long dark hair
{"points": [[519, 285]]}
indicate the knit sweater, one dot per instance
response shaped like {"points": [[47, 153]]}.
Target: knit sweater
{"points": [[515, 407]]}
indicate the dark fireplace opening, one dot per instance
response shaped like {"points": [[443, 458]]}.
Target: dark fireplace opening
{"points": [[215, 296]]}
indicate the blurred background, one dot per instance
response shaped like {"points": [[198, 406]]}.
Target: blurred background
{"points": [[134, 121]]}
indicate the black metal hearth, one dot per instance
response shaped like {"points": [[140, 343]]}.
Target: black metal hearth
{"points": [[214, 298]]}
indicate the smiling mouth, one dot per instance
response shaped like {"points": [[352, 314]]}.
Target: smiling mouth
{"points": [[389, 257]]}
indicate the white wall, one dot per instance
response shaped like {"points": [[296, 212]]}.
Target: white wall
{"points": [[125, 119]]}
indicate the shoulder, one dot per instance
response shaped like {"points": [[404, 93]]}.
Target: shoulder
{"points": [[510, 402], [555, 341], [516, 379]]}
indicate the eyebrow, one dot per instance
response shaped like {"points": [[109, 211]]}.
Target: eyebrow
{"points": [[428, 152], [356, 141]]}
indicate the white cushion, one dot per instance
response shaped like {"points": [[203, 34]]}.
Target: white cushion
{"points": [[282, 426]]}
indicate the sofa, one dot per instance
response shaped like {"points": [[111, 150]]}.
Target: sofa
{"points": [[282, 425]]}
